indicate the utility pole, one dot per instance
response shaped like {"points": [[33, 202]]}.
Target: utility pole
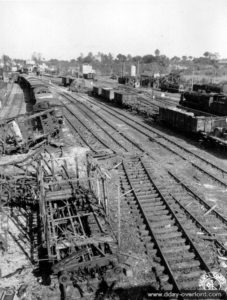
{"points": [[138, 68], [123, 68], [193, 71], [119, 216]]}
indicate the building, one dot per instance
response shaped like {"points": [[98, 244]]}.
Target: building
{"points": [[222, 62]]}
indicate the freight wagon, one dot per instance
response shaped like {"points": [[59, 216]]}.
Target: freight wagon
{"points": [[108, 94], [124, 99], [121, 98], [67, 80], [194, 121], [38, 97], [89, 76], [97, 91]]}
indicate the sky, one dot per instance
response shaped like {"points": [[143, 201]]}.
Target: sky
{"points": [[64, 29]]}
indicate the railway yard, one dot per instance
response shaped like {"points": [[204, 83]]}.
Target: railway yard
{"points": [[100, 200]]}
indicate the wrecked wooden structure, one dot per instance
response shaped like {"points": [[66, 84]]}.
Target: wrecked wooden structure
{"points": [[21, 133], [70, 198], [79, 242]]}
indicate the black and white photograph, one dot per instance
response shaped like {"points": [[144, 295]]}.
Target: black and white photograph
{"points": [[113, 149]]}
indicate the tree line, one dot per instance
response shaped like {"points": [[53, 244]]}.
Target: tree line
{"points": [[107, 63]]}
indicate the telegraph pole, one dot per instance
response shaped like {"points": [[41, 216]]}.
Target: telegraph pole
{"points": [[123, 68], [138, 68], [193, 77]]}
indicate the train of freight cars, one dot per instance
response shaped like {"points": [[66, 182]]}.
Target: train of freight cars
{"points": [[200, 111], [37, 95]]}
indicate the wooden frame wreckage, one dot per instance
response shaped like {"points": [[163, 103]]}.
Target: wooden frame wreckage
{"points": [[74, 210], [71, 200], [19, 134]]}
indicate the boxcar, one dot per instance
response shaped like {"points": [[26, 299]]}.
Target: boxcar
{"points": [[108, 94], [97, 91]]}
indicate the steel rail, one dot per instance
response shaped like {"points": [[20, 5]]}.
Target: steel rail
{"points": [[203, 202], [99, 139], [161, 134], [110, 125], [123, 135], [82, 138], [164, 136], [154, 236], [199, 224], [106, 132], [213, 177], [152, 233]]}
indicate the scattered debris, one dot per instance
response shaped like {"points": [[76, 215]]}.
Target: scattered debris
{"points": [[210, 210], [22, 133]]}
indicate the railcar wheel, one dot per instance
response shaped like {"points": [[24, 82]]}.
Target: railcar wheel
{"points": [[64, 279], [117, 270]]}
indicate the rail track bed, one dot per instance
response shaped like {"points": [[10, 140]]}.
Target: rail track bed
{"points": [[102, 132], [171, 240], [151, 98], [140, 199], [128, 144], [181, 233], [147, 101], [159, 140], [209, 218], [14, 104]]}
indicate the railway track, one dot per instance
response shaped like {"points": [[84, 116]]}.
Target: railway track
{"points": [[212, 171], [167, 224], [9, 103], [86, 134], [211, 222], [151, 98], [114, 140], [18, 106], [165, 100], [200, 207], [144, 99], [102, 123], [14, 105], [180, 258]]}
